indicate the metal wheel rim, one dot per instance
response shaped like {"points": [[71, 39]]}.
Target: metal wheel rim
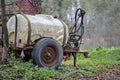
{"points": [[49, 56]]}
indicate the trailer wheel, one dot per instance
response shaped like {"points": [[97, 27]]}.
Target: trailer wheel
{"points": [[47, 53]]}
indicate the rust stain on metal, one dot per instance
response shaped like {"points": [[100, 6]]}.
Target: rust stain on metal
{"points": [[49, 56]]}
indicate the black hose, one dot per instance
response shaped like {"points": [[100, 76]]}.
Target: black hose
{"points": [[78, 28]]}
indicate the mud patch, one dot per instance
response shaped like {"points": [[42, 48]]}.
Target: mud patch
{"points": [[113, 74]]}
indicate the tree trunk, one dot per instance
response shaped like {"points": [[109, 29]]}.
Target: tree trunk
{"points": [[60, 10], [5, 32]]}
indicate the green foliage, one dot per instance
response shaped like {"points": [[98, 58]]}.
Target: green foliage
{"points": [[17, 69], [100, 59]]}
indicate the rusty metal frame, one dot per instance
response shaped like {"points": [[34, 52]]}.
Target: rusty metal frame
{"points": [[74, 52], [69, 49], [29, 30], [27, 46], [16, 25]]}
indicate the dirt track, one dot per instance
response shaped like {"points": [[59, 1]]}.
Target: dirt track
{"points": [[113, 74]]}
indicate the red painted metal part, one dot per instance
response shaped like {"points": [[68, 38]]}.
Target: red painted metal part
{"points": [[26, 7]]}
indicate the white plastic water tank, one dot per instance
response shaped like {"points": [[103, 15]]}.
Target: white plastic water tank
{"points": [[41, 26]]}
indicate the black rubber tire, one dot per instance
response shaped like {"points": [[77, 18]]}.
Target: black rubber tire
{"points": [[47, 53]]}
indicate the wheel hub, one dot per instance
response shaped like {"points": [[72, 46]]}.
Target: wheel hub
{"points": [[49, 56]]}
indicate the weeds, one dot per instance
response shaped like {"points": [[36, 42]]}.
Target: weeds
{"points": [[23, 70], [100, 59]]}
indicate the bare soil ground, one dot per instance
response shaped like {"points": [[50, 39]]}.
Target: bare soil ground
{"points": [[113, 74]]}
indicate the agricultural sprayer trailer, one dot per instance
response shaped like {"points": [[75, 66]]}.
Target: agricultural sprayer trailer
{"points": [[44, 38]]}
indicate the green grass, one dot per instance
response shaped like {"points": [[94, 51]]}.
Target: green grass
{"points": [[17, 69], [100, 59]]}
